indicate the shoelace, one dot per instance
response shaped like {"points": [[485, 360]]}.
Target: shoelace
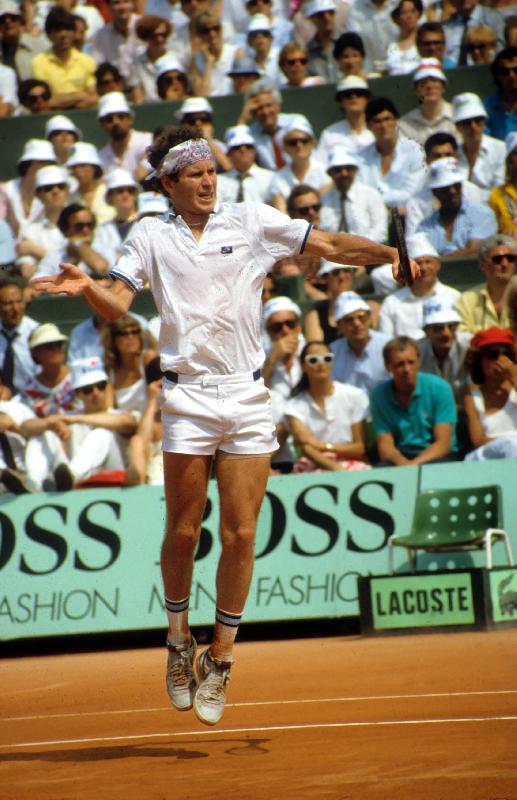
{"points": [[181, 670], [214, 685]]}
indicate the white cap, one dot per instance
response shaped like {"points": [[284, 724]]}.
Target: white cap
{"points": [[61, 123], [84, 153], [151, 203], [118, 178], [259, 22], [37, 150], [8, 7], [351, 82], [419, 245], [298, 123], [429, 68], [194, 105], [86, 371], [49, 176], [467, 106], [348, 302], [317, 6], [240, 135], [113, 103], [340, 157], [511, 142], [444, 172], [244, 65], [280, 304], [167, 63], [45, 334], [439, 311], [330, 266]]}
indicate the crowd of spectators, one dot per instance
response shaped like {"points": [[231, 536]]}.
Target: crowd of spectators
{"points": [[361, 372]]}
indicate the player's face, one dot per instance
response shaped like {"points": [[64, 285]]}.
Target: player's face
{"points": [[195, 190]]}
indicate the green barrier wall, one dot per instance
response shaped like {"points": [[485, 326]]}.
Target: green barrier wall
{"points": [[87, 561], [316, 102]]}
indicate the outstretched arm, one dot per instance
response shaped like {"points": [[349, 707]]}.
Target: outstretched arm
{"points": [[346, 248], [112, 303]]}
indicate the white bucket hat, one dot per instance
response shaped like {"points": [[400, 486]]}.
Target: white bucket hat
{"points": [[61, 123], [330, 266], [419, 245], [84, 153], [340, 157], [118, 178], [239, 137], [280, 304], [194, 105], [298, 123], [259, 22], [351, 82], [244, 65], [37, 150], [151, 203], [167, 63], [86, 371], [46, 334], [348, 302], [467, 106], [49, 176], [429, 68], [444, 172], [317, 6], [113, 103], [437, 312]]}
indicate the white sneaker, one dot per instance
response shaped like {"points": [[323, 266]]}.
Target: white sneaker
{"points": [[213, 676], [180, 677]]}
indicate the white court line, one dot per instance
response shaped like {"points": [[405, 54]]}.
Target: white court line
{"points": [[260, 729], [361, 699]]}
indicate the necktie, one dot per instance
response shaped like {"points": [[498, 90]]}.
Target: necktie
{"points": [[240, 193], [343, 225], [462, 58], [8, 365], [7, 451], [277, 150]]}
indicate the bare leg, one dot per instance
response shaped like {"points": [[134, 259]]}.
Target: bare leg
{"points": [[186, 479]]}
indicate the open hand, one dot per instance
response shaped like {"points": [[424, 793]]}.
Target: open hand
{"points": [[71, 281]]}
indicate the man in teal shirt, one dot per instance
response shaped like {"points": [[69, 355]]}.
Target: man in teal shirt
{"points": [[414, 413]]}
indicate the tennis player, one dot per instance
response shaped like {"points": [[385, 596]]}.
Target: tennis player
{"points": [[206, 265]]}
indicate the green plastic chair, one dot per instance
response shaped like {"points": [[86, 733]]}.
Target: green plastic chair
{"points": [[446, 520]]}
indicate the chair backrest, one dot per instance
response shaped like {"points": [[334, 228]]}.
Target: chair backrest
{"points": [[444, 517]]}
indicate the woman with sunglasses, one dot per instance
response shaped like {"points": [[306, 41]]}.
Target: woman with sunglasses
{"points": [[320, 324], [491, 402], [299, 141], [293, 61], [155, 32], [212, 57], [126, 359], [326, 417]]}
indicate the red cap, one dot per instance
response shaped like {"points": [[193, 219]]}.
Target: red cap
{"points": [[492, 335]]}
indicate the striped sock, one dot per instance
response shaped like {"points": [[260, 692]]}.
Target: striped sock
{"points": [[177, 614], [225, 631]]}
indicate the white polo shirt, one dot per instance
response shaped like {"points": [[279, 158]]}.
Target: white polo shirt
{"points": [[208, 292], [343, 408]]}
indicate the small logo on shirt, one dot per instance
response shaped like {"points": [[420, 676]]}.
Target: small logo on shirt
{"points": [[227, 249]]}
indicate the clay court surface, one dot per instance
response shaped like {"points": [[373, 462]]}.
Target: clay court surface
{"points": [[429, 717]]}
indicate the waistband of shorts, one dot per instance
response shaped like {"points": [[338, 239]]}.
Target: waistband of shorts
{"points": [[212, 380]]}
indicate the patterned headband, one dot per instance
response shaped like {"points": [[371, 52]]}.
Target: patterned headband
{"points": [[184, 154]]}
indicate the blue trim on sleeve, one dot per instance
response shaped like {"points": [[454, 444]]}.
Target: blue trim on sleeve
{"points": [[302, 248], [113, 273]]}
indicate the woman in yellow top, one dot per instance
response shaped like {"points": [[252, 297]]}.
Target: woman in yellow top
{"points": [[503, 199]]}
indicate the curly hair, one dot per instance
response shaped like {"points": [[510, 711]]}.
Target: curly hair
{"points": [[170, 136]]}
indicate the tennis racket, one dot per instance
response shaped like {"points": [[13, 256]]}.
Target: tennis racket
{"points": [[400, 244]]}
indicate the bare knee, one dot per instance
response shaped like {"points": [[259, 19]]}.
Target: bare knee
{"points": [[240, 539], [182, 538]]}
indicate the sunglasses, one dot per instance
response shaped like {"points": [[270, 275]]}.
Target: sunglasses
{"points": [[79, 226], [32, 98], [480, 46], [211, 29], [297, 141], [9, 18], [353, 93], [306, 209], [170, 79], [494, 353], [101, 385], [432, 43], [191, 119], [507, 71], [314, 359], [500, 257], [256, 2], [292, 61], [51, 186], [129, 332], [439, 327], [276, 327]]}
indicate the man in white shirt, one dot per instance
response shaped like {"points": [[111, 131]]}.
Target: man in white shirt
{"points": [[117, 42], [482, 157], [432, 114], [351, 205], [283, 322], [373, 21], [126, 147], [395, 166], [39, 238], [352, 95], [206, 267], [402, 312], [246, 181], [443, 350]]}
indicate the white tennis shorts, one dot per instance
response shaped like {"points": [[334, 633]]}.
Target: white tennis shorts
{"points": [[225, 413]]}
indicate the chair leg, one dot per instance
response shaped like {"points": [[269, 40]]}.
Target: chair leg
{"points": [[496, 533], [488, 549], [390, 556]]}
